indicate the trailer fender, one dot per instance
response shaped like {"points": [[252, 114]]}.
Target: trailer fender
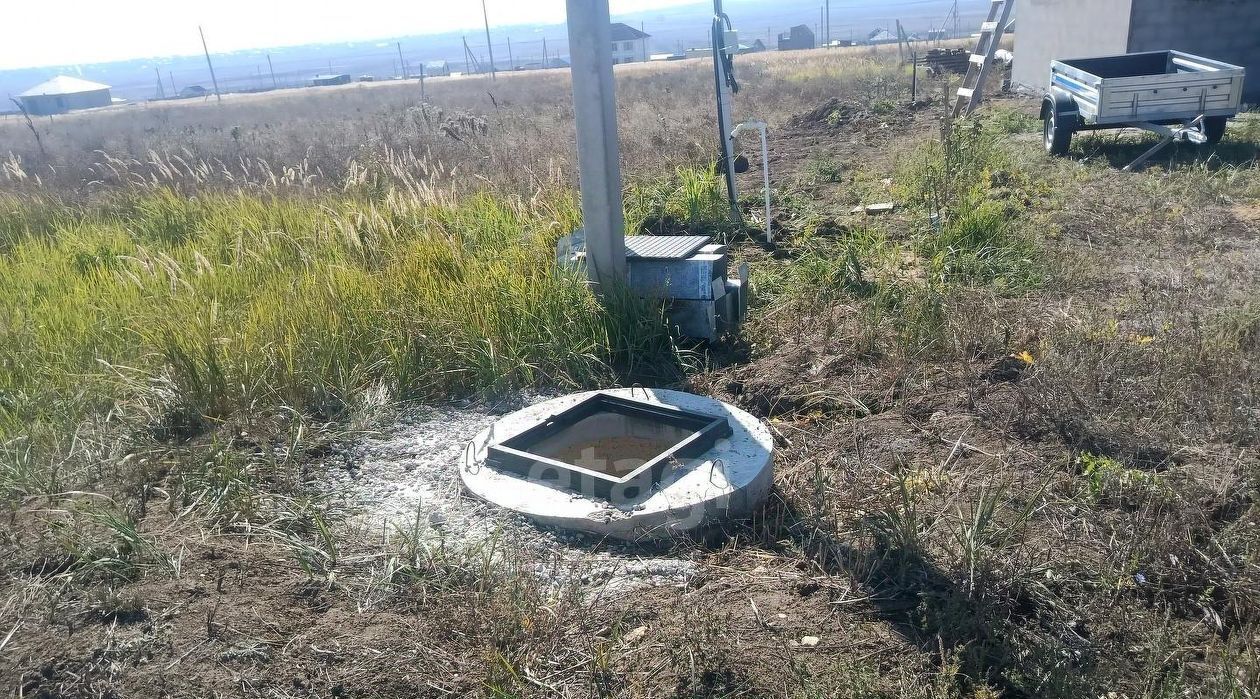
{"points": [[1062, 104]]}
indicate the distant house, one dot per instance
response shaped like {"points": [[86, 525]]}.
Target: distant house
{"points": [[551, 62], [667, 57], [755, 47], [434, 69], [628, 44], [331, 79], [194, 91], [796, 38], [880, 36], [62, 94]]}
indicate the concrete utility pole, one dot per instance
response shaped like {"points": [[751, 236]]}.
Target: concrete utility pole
{"points": [[274, 84], [213, 80], [511, 61], [161, 89], [595, 109], [827, 30], [402, 65], [544, 65], [490, 49]]}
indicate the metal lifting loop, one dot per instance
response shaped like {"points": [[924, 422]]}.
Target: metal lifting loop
{"points": [[713, 468]]}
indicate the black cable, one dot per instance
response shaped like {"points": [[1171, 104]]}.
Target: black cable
{"points": [[728, 61]]}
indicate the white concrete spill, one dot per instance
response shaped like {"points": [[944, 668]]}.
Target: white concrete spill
{"points": [[405, 478]]}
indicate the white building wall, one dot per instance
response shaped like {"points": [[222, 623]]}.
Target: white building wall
{"points": [[1055, 29], [629, 51]]}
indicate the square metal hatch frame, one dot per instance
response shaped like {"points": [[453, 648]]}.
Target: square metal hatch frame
{"points": [[513, 454]]}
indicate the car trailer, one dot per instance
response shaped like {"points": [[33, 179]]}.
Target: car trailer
{"points": [[1177, 95]]}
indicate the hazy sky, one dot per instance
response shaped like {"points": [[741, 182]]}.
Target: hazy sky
{"points": [[54, 32]]}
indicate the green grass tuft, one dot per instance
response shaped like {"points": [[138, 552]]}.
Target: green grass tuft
{"points": [[188, 311]]}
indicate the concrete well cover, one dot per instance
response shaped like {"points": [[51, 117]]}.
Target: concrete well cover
{"points": [[729, 480]]}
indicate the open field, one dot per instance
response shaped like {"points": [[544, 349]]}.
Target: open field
{"points": [[241, 346], [515, 133]]}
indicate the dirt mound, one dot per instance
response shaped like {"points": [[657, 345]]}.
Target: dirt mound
{"points": [[831, 113], [836, 114], [805, 383], [819, 369]]}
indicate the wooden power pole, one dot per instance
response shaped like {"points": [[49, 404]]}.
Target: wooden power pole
{"points": [[490, 49], [470, 59], [213, 80]]}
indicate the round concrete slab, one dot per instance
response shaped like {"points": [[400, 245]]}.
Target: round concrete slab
{"points": [[729, 480]]}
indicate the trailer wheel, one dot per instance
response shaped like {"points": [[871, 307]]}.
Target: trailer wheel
{"points": [[1214, 129], [1058, 116]]}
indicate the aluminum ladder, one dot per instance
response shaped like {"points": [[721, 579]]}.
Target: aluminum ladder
{"points": [[981, 61]]}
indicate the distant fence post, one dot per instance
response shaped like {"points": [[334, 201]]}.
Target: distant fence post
{"points": [[914, 77]]}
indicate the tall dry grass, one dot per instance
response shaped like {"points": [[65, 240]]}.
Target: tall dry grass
{"points": [[514, 134]]}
